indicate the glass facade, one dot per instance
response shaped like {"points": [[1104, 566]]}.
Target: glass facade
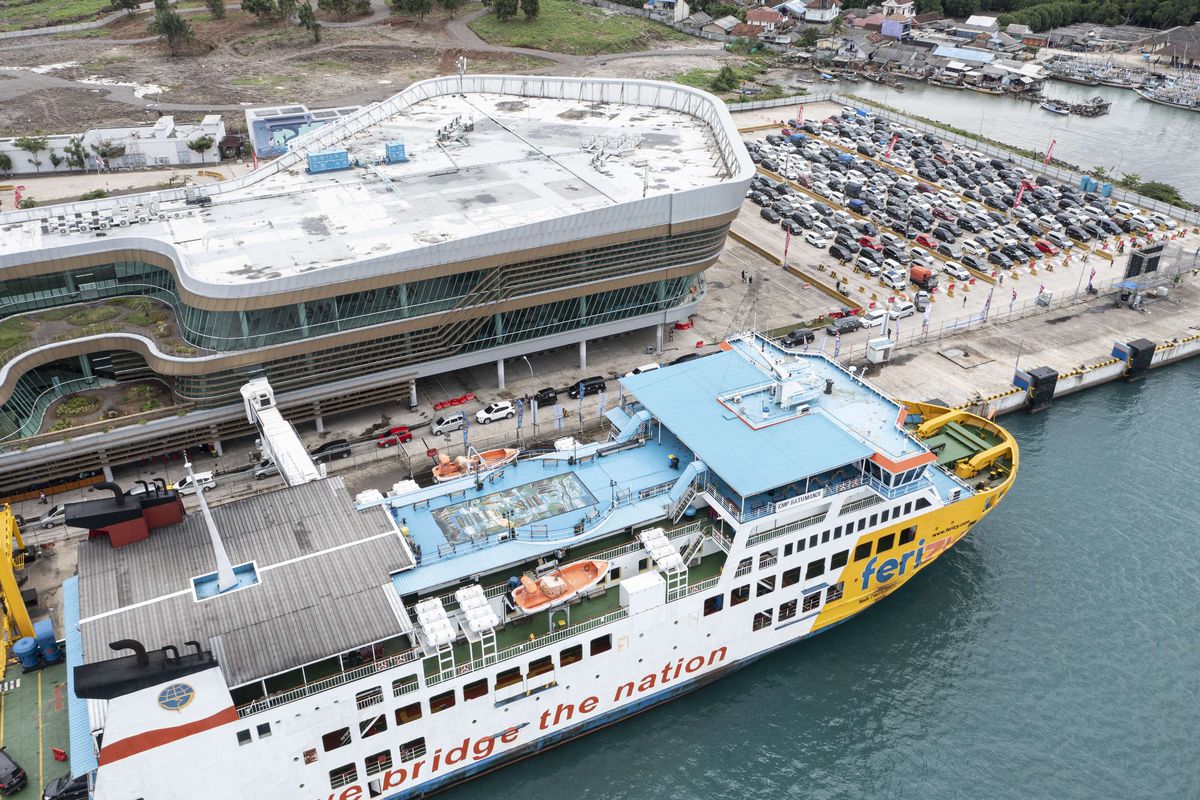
{"points": [[226, 331], [470, 329]]}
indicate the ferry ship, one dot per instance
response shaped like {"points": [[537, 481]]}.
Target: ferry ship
{"points": [[392, 646]]}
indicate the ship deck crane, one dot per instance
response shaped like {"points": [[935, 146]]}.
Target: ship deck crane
{"points": [[16, 623], [278, 438]]}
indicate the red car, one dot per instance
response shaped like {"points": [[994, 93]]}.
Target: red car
{"points": [[869, 243], [1046, 247], [942, 213], [398, 435], [925, 240]]}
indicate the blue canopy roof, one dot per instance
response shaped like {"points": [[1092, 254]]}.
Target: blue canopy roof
{"points": [[684, 398]]}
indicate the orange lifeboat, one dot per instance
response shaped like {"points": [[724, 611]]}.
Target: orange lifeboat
{"points": [[557, 587]]}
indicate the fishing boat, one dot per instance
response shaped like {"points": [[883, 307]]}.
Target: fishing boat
{"points": [[558, 586], [985, 89], [1053, 108], [1188, 101], [373, 646], [448, 469]]}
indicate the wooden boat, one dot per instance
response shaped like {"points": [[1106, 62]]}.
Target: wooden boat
{"points": [[1053, 109], [557, 587], [447, 470]]}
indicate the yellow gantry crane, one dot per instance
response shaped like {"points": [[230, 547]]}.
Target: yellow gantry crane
{"points": [[15, 623]]}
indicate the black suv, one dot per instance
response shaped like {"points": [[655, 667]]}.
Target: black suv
{"points": [[12, 777], [797, 338], [334, 448], [66, 789], [589, 386], [546, 397], [843, 325]]}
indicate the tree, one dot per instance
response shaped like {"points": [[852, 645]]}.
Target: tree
{"points": [[127, 5], [1163, 192], [419, 8], [263, 9], [56, 159], [1130, 180], [202, 144], [27, 202], [1099, 172], [75, 154], [838, 25], [308, 20], [809, 37], [362, 7], [450, 6], [106, 151], [216, 8], [339, 7], [174, 28], [726, 80], [161, 6], [5, 163], [529, 8], [32, 145], [287, 8], [505, 9]]}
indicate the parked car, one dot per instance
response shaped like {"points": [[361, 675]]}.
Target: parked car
{"points": [[546, 397], [200, 481], [643, 368], [448, 423], [328, 451], [841, 252], [797, 338], [894, 279], [397, 435], [588, 386], [1046, 247], [901, 310], [54, 516], [843, 325], [500, 409], [956, 271], [770, 215], [686, 357], [265, 469], [816, 239], [12, 777], [875, 318], [63, 788], [925, 240]]}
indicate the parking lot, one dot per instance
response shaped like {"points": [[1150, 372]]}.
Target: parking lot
{"points": [[996, 237]]}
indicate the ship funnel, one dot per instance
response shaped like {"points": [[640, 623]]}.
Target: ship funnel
{"points": [[135, 646], [117, 491]]}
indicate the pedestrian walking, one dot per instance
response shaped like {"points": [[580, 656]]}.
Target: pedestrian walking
{"points": [[42, 498], [1001, 280], [964, 301], [751, 279], [743, 276]]}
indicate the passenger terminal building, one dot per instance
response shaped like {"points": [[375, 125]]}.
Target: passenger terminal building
{"points": [[465, 220]]}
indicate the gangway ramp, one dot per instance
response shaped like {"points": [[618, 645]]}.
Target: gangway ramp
{"points": [[279, 440]]}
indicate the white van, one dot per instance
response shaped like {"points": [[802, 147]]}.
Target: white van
{"points": [[641, 369], [447, 424], [203, 481]]}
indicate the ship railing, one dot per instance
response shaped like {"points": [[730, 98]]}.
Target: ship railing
{"points": [[744, 568], [861, 503], [326, 683], [533, 644], [691, 589], [784, 530], [632, 547], [892, 492]]}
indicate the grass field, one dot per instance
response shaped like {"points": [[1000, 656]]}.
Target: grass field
{"points": [[562, 26], [16, 15]]}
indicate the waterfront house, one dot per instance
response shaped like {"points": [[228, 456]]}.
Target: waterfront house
{"points": [[767, 18], [721, 26], [822, 11]]}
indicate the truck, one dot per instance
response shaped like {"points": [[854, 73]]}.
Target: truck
{"points": [[924, 277]]}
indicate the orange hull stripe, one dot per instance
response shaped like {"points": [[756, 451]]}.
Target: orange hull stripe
{"points": [[140, 743]]}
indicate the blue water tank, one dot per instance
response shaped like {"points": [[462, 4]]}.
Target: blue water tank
{"points": [[47, 642], [26, 650], [1083, 183], [1106, 190], [330, 161]]}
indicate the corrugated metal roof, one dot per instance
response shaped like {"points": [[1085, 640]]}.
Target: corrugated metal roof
{"points": [[320, 562], [83, 756]]}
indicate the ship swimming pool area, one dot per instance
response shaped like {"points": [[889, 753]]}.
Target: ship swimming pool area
{"points": [[515, 507]]}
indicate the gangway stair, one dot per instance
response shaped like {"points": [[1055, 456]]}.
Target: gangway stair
{"points": [[279, 441]]}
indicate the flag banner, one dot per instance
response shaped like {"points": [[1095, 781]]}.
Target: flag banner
{"points": [[466, 427], [837, 344], [558, 417], [533, 410], [600, 403], [520, 412]]}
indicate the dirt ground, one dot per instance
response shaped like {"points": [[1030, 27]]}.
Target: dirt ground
{"points": [[235, 62]]}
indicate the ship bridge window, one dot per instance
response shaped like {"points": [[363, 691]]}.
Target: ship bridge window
{"points": [[508, 677], [402, 686], [874, 520], [412, 750], [570, 655], [601, 644], [372, 726], [379, 762], [343, 776], [908, 534], [739, 595], [908, 507], [923, 502], [837, 532], [713, 604], [475, 689], [409, 713], [862, 551], [787, 549], [440, 702], [883, 516], [369, 697], [541, 666], [335, 739]]}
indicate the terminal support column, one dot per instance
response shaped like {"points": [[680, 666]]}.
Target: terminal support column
{"points": [[499, 373], [583, 354], [412, 395]]}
